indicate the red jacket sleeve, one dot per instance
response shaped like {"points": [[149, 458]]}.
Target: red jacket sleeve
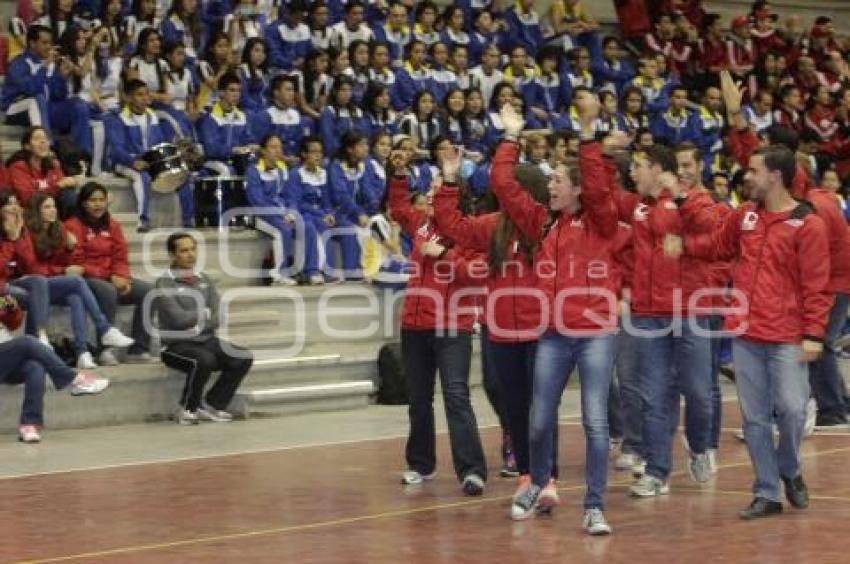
{"points": [[596, 190], [401, 209], [78, 255], [120, 260], [742, 144], [23, 182], [528, 215], [723, 242], [472, 232], [701, 213], [813, 273]]}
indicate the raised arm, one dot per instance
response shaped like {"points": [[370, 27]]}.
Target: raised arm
{"points": [[471, 232]]}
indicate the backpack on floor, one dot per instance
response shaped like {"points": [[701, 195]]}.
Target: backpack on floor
{"points": [[392, 380]]}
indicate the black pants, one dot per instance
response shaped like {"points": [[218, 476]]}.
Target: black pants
{"points": [[424, 355], [198, 360], [108, 299]]}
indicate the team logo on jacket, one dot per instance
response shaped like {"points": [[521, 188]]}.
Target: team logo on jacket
{"points": [[794, 222], [750, 220], [641, 212], [576, 223]]}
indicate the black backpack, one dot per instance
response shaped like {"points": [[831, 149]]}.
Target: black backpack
{"points": [[392, 380]]}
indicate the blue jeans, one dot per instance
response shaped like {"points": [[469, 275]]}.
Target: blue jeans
{"points": [[716, 324], [631, 394], [672, 359], [74, 292], [424, 354], [31, 291], [824, 377], [771, 380], [557, 356], [25, 361], [493, 385]]}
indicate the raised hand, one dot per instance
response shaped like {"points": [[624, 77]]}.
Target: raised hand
{"points": [[397, 162], [673, 246], [512, 121], [732, 93]]}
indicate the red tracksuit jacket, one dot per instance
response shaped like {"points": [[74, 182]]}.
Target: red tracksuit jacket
{"points": [[575, 264], [782, 269], [101, 252], [429, 302], [27, 181]]}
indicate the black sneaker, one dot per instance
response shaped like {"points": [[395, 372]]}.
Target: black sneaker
{"points": [[830, 421], [796, 492], [761, 507]]}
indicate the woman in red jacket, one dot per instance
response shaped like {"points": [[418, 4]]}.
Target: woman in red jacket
{"points": [[34, 170], [436, 334], [26, 361], [512, 310], [102, 253], [45, 248], [575, 239]]}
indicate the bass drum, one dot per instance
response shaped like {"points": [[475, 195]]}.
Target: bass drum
{"points": [[215, 196]]}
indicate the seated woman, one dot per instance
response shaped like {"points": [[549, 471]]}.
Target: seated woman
{"points": [[353, 199], [26, 361], [102, 253], [280, 218], [34, 169], [44, 247]]}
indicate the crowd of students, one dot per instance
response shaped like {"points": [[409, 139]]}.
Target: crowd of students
{"points": [[655, 178]]}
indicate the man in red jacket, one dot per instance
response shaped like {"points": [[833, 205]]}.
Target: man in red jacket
{"points": [[782, 300], [672, 335]]}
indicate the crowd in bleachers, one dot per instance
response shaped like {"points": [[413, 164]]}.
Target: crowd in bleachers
{"points": [[349, 123]]}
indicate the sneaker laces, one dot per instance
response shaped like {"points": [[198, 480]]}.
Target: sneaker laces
{"points": [[595, 517], [528, 497]]}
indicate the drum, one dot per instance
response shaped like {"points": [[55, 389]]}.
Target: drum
{"points": [[241, 160], [167, 169], [214, 196]]}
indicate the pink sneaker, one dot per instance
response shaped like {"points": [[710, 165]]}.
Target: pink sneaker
{"points": [[548, 499], [28, 434]]}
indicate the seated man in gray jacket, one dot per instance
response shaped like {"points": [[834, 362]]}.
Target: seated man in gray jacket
{"points": [[188, 309]]}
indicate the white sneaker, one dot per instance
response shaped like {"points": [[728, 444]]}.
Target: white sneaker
{"points": [[649, 486], [28, 434], [107, 358], [86, 384], [186, 417], [639, 467], [207, 413], [284, 281], [317, 280], [626, 461], [712, 460], [115, 338], [595, 523], [86, 361], [412, 477], [811, 417]]}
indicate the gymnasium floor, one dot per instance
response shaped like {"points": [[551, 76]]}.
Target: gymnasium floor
{"points": [[324, 488]]}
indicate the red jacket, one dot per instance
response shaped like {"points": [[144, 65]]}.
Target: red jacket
{"points": [[102, 252], [575, 263], [53, 264], [430, 302], [740, 56], [782, 269], [633, 17], [712, 55], [662, 286], [26, 181], [512, 312], [827, 208]]}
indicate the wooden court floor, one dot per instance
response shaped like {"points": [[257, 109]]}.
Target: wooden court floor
{"points": [[343, 503]]}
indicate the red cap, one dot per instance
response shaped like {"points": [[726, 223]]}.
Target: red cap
{"points": [[740, 21]]}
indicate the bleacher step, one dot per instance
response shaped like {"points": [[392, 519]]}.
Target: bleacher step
{"points": [[255, 401]]}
